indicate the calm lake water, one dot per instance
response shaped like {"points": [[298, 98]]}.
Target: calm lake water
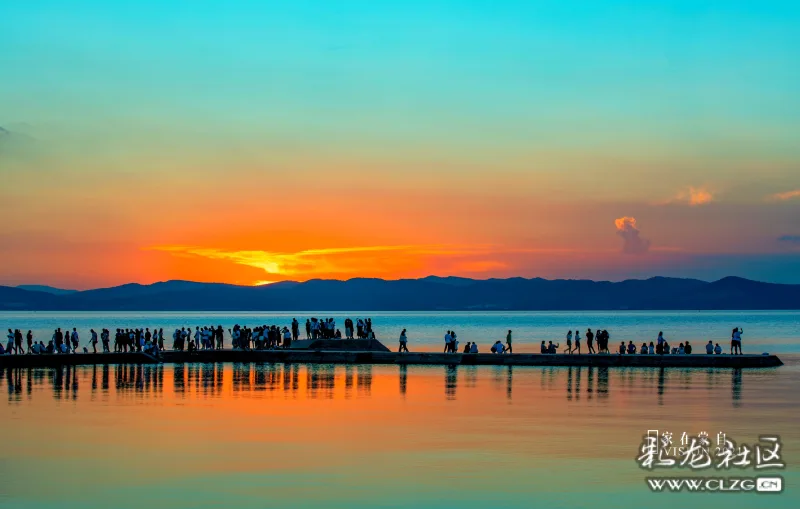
{"points": [[770, 331], [276, 435]]}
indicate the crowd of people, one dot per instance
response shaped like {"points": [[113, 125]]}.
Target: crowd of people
{"points": [[265, 337], [325, 328], [268, 337], [451, 344], [210, 337], [659, 347], [206, 338], [135, 340], [60, 342], [662, 347], [600, 339]]}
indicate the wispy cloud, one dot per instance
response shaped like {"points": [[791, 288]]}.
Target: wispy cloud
{"points": [[357, 260], [788, 195], [632, 242], [331, 260], [693, 196], [369, 261], [790, 239]]}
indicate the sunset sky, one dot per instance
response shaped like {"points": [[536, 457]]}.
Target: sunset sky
{"points": [[257, 141]]}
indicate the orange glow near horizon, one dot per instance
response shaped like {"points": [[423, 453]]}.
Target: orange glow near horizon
{"points": [[389, 262], [347, 219]]}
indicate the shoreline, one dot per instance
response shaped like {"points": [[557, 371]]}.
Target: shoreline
{"points": [[320, 356]]}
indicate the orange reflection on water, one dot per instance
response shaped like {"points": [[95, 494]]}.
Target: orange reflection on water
{"points": [[357, 427]]}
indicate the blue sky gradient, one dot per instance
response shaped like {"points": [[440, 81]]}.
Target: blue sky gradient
{"points": [[683, 114]]}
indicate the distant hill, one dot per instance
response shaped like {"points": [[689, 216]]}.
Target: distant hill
{"points": [[426, 294], [46, 289]]}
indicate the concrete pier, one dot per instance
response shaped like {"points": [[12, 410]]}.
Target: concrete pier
{"points": [[386, 357]]}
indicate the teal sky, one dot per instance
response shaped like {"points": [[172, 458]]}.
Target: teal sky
{"points": [[658, 75], [633, 107]]}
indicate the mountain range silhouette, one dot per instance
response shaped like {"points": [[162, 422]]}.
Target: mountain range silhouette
{"points": [[425, 294]]}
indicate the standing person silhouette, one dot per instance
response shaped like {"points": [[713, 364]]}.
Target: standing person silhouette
{"points": [[589, 339], [508, 341], [18, 341], [403, 342], [660, 342], [736, 341], [75, 340], [93, 340]]}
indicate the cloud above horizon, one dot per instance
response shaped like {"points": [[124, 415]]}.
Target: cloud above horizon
{"points": [[632, 241], [788, 195], [693, 196], [791, 239]]}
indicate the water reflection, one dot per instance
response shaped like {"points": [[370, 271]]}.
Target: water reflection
{"points": [[403, 379], [14, 383], [548, 380], [135, 378], [241, 377], [208, 377], [602, 383], [470, 376], [509, 381], [178, 379], [450, 381], [64, 381], [569, 384], [68, 382], [295, 373], [321, 381], [208, 380], [364, 380], [348, 381], [736, 387]]}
